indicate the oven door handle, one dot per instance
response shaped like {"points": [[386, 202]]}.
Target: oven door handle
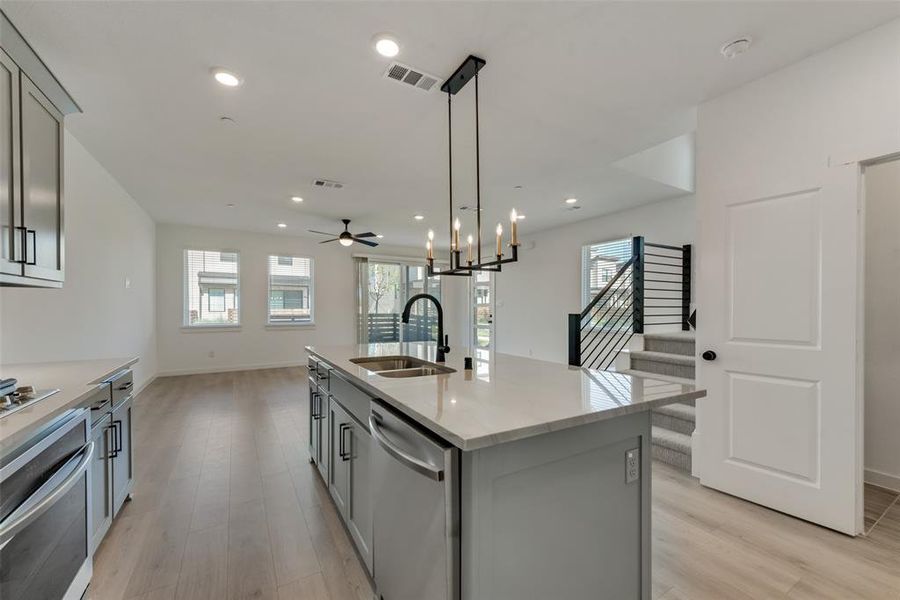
{"points": [[46, 495]]}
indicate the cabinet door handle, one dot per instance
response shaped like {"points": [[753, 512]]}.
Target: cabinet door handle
{"points": [[125, 386], [119, 427], [22, 240], [312, 404], [33, 260], [342, 452], [113, 452]]}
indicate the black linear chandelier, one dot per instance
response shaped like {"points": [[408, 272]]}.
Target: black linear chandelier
{"points": [[467, 71]]}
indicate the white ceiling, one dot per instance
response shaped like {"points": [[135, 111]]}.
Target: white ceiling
{"points": [[569, 88]]}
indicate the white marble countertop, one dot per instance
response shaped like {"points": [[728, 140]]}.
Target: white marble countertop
{"points": [[75, 379], [504, 397]]}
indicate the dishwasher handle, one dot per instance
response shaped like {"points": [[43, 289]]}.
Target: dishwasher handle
{"points": [[417, 465]]}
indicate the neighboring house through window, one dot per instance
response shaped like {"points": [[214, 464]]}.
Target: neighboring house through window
{"points": [[211, 288], [599, 264], [290, 290]]}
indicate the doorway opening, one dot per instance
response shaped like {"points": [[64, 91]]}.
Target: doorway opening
{"points": [[881, 347]]}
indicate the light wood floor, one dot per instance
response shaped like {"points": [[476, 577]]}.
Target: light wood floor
{"points": [[227, 506]]}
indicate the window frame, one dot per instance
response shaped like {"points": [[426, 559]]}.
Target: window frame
{"points": [[585, 265], [311, 322], [186, 325]]}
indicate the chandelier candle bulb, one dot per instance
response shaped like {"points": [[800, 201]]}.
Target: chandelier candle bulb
{"points": [[430, 253], [456, 234], [469, 254], [513, 232], [430, 243], [499, 239]]}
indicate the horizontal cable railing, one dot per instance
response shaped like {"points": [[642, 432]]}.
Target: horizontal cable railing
{"points": [[652, 288]]}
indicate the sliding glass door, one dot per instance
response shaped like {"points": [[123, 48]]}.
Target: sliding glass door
{"points": [[385, 288]]}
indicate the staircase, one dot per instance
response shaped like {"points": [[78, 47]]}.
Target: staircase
{"points": [[669, 356], [649, 295]]}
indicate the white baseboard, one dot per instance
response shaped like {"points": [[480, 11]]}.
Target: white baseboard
{"points": [[885, 480], [206, 370]]}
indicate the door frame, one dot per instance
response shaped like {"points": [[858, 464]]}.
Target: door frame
{"points": [[863, 166], [473, 325]]}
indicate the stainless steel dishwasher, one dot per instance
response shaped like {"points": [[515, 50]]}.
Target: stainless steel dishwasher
{"points": [[416, 495]]}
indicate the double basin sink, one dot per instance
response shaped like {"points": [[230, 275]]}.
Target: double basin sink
{"points": [[401, 366]]}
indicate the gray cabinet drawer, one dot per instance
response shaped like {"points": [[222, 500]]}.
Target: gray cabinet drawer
{"points": [[353, 399], [322, 375], [122, 384], [99, 403]]}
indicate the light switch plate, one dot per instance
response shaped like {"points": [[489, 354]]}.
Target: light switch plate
{"points": [[632, 465]]}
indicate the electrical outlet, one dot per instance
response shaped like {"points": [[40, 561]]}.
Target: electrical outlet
{"points": [[632, 465]]}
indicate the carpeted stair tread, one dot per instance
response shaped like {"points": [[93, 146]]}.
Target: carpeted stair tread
{"points": [[672, 440], [663, 357], [671, 336], [678, 411], [659, 376]]}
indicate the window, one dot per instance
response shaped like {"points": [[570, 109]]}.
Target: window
{"points": [[211, 289], [290, 290], [599, 264]]}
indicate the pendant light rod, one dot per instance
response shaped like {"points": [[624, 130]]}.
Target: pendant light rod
{"points": [[477, 169]]}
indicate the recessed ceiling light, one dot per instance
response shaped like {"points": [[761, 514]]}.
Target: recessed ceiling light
{"points": [[226, 77], [282, 225], [379, 236], [571, 200], [419, 217], [386, 45], [297, 199], [520, 217], [736, 47]]}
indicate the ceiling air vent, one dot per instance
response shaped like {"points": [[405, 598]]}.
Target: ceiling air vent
{"points": [[328, 184], [416, 78]]}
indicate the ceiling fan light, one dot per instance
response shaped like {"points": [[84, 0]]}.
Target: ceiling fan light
{"points": [[346, 241]]}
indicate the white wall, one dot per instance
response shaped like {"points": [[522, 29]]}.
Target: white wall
{"points": [[882, 296], [256, 345], [535, 295], [108, 238]]}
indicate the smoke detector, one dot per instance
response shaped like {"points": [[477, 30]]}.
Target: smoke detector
{"points": [[411, 76], [328, 184], [736, 47]]}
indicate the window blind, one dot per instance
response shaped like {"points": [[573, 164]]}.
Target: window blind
{"points": [[211, 288], [290, 290]]}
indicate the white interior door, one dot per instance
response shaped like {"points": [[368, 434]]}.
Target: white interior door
{"points": [[777, 284]]}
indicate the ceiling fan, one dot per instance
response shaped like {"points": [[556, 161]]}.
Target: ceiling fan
{"points": [[346, 238]]}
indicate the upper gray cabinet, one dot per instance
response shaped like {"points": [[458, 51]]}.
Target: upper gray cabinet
{"points": [[32, 106]]}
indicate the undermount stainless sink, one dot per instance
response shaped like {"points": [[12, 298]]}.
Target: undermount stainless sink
{"points": [[417, 372], [400, 366]]}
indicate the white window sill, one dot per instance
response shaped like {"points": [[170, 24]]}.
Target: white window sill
{"points": [[209, 328], [287, 326]]}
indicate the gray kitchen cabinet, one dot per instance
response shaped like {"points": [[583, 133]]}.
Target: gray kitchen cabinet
{"points": [[42, 184], [10, 204], [123, 463], [32, 106], [339, 474], [101, 480], [360, 509]]}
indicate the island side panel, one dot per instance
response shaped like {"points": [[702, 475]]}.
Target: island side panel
{"points": [[552, 516]]}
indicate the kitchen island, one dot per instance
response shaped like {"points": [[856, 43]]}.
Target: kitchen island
{"points": [[517, 479]]}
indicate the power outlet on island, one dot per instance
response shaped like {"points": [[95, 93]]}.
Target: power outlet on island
{"points": [[632, 465]]}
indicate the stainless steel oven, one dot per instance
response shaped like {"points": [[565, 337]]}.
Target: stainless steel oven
{"points": [[45, 513]]}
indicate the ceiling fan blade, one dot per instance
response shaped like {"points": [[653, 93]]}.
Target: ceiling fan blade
{"points": [[321, 232], [366, 242], [366, 234], [326, 241]]}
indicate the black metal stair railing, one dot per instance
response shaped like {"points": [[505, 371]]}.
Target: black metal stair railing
{"points": [[646, 291]]}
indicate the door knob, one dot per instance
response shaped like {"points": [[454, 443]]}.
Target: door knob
{"points": [[708, 355]]}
